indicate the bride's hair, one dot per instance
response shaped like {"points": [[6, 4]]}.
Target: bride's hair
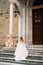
{"points": [[21, 38]]}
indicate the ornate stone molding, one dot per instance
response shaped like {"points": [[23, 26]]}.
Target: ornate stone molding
{"points": [[17, 3]]}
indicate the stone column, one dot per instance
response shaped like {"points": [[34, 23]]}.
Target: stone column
{"points": [[30, 26], [23, 22], [19, 26], [27, 21], [11, 19]]}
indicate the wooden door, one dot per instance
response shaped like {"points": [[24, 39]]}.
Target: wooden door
{"points": [[37, 15]]}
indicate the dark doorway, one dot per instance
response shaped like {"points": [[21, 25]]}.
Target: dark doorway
{"points": [[37, 16]]}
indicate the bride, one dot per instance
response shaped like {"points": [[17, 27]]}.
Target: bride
{"points": [[21, 51]]}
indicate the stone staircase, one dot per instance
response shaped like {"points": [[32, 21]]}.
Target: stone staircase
{"points": [[35, 56]]}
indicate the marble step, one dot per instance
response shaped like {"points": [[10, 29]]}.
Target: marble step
{"points": [[29, 57], [12, 55], [10, 52], [7, 55], [26, 61], [35, 46], [36, 58]]}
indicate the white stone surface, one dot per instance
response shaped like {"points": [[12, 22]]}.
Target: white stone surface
{"points": [[11, 20], [19, 27], [23, 22]]}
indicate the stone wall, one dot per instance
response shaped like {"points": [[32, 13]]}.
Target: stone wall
{"points": [[15, 29], [4, 29], [4, 24]]}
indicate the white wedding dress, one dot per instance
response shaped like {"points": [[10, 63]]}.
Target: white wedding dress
{"points": [[21, 51]]}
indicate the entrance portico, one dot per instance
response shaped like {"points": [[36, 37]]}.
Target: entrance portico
{"points": [[12, 2], [21, 25], [22, 18]]}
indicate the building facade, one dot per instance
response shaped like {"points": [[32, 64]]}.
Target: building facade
{"points": [[16, 18]]}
